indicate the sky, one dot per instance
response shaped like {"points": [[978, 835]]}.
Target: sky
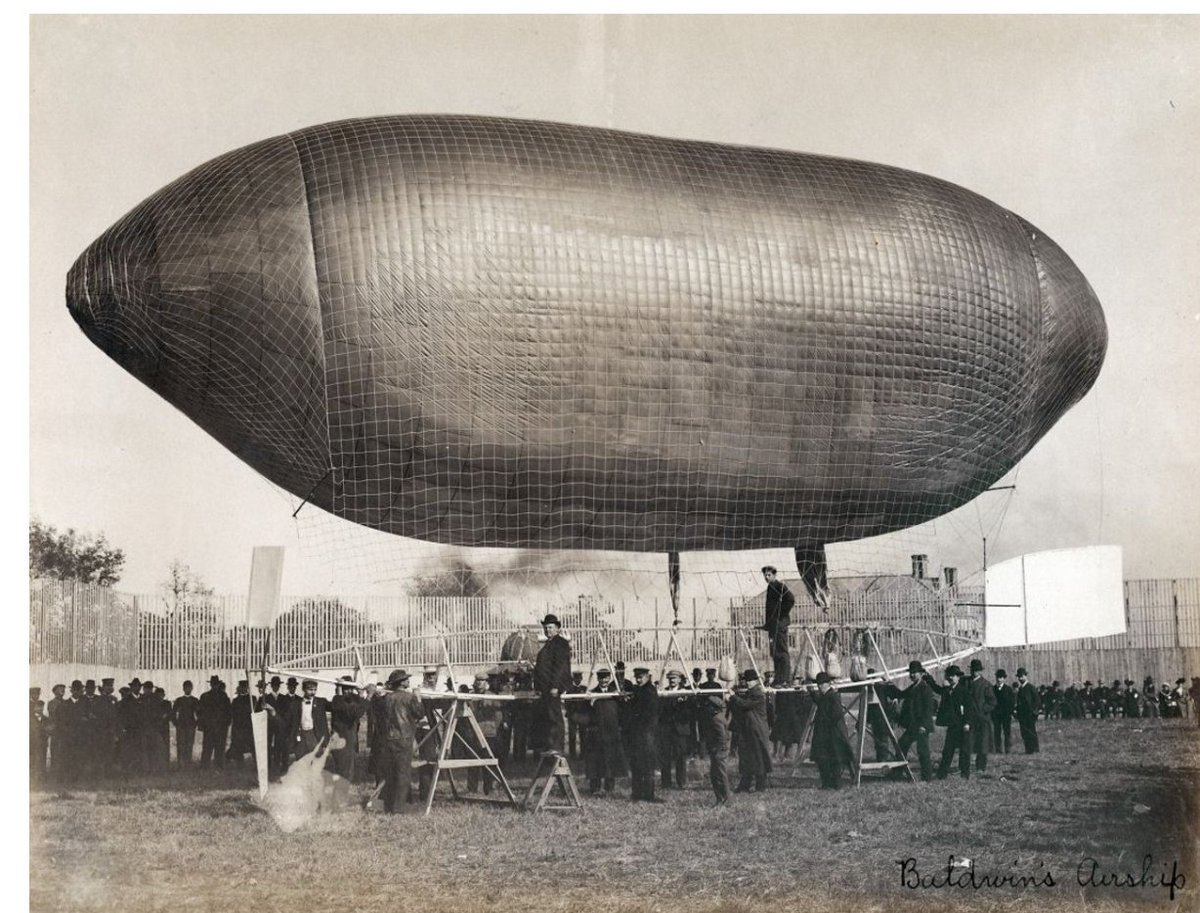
{"points": [[1087, 127]]}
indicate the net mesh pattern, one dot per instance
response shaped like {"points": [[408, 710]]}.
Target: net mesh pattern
{"points": [[488, 332]]}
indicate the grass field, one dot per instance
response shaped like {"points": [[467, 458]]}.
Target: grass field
{"points": [[1110, 790]]}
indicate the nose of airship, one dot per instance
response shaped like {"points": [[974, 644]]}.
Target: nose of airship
{"points": [[1074, 333], [107, 295]]}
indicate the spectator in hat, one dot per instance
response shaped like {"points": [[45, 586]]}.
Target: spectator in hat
{"points": [[275, 701], [308, 720], [38, 737], [1028, 705], [604, 749], [749, 708], [150, 715], [399, 716], [714, 735], [56, 726], [979, 715], [643, 730], [1006, 702], [551, 680], [575, 713], [952, 714], [241, 730], [108, 727], [674, 727], [487, 717], [214, 718], [830, 741], [346, 710], [917, 705], [185, 714], [779, 602]]}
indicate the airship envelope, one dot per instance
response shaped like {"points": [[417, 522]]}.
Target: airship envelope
{"points": [[492, 332]]}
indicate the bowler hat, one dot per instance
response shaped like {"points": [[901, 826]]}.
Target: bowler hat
{"points": [[824, 678], [620, 666], [953, 670], [915, 667], [1000, 673], [212, 679], [1021, 671], [976, 665], [276, 680], [551, 620], [750, 675], [397, 676]]}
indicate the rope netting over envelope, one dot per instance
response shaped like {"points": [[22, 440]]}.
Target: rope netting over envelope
{"points": [[492, 333]]}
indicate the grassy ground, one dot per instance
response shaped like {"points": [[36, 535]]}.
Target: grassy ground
{"points": [[1112, 790]]}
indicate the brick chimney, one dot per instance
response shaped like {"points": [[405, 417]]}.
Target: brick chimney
{"points": [[919, 563], [951, 575]]}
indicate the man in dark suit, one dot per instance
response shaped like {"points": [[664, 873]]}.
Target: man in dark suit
{"points": [[307, 720], [952, 714], [830, 741], [917, 704], [1006, 702], [643, 728], [275, 701], [1028, 705], [215, 715], [399, 715], [979, 715], [749, 708], [185, 714], [714, 732], [779, 602], [551, 680]]}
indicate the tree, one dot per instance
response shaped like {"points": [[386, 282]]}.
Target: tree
{"points": [[184, 587], [73, 556], [459, 579], [190, 632], [315, 626]]}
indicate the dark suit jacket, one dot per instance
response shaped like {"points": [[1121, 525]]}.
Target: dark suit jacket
{"points": [[1028, 702], [917, 704], [552, 669], [779, 604], [320, 718]]}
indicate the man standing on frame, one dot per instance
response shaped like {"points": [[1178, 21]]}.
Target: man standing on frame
{"points": [[779, 615], [551, 680]]}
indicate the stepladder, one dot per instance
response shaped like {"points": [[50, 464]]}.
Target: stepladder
{"points": [[552, 771]]}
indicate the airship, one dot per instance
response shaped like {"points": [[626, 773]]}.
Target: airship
{"points": [[499, 332]]}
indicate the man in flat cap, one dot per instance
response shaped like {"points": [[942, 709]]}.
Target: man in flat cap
{"points": [[604, 748], [551, 680], [487, 716], [402, 711], [714, 736], [1028, 705], [643, 729], [749, 707], [952, 714], [917, 705], [185, 714], [216, 712], [779, 602]]}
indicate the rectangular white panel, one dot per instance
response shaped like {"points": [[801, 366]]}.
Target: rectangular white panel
{"points": [[266, 573], [1055, 595]]}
